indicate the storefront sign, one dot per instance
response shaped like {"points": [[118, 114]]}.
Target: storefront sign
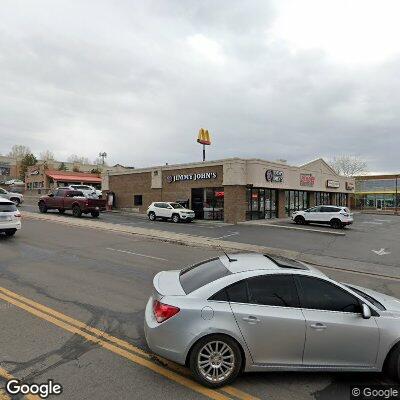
{"points": [[191, 177], [272, 175], [307, 180], [332, 184], [349, 185]]}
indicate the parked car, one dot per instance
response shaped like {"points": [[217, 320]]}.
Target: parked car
{"points": [[169, 210], [87, 190], [16, 182], [253, 312], [16, 198], [10, 217], [64, 199], [336, 217]]}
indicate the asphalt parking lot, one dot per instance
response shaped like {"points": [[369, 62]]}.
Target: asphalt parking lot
{"points": [[372, 239], [103, 279]]}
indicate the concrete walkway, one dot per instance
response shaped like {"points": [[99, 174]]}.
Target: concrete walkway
{"points": [[203, 241]]}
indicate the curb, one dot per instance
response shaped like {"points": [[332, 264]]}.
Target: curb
{"points": [[377, 270]]}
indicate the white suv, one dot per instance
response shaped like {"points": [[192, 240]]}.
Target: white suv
{"points": [[169, 210], [336, 217], [10, 217]]}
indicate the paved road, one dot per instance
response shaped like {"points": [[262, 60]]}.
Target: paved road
{"points": [[74, 272], [360, 242]]}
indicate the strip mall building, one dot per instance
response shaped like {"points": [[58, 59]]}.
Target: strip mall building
{"points": [[233, 189]]}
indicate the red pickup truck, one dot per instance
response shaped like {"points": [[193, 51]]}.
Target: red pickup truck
{"points": [[65, 199]]}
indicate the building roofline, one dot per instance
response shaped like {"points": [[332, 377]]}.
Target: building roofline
{"points": [[198, 164]]}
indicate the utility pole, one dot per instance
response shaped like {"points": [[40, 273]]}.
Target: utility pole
{"points": [[103, 156]]}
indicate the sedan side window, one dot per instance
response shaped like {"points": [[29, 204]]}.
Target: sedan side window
{"points": [[273, 290], [318, 294]]}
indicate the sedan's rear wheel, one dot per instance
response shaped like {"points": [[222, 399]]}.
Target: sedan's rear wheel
{"points": [[300, 220], [215, 360]]}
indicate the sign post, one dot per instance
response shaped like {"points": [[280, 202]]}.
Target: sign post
{"points": [[204, 139]]}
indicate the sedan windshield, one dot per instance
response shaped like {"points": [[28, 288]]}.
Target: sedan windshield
{"points": [[369, 298]]}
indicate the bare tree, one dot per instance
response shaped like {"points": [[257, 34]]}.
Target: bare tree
{"points": [[348, 165], [73, 158], [99, 161], [47, 155], [19, 151]]}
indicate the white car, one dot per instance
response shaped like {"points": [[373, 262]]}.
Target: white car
{"points": [[10, 217], [335, 216], [169, 210], [16, 198], [87, 190], [16, 182]]}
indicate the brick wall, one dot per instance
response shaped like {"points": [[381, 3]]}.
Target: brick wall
{"points": [[126, 186], [235, 204]]}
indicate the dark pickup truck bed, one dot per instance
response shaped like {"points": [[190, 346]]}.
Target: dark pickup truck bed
{"points": [[74, 200]]}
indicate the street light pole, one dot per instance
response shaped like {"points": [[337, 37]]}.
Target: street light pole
{"points": [[204, 152], [395, 198]]}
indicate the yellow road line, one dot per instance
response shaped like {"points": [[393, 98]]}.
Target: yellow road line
{"points": [[101, 334], [3, 396], [212, 394]]}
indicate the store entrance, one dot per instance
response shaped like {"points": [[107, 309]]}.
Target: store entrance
{"points": [[208, 203]]}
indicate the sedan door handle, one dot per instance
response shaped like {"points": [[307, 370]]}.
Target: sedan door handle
{"points": [[318, 326], [251, 319]]}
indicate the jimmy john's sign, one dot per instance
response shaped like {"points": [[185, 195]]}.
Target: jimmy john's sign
{"points": [[191, 177]]}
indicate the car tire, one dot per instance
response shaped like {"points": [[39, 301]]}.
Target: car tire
{"points": [[336, 223], [392, 365], [61, 210], [200, 360], [76, 211], [175, 218], [16, 201], [95, 214], [300, 220], [42, 207], [10, 232], [152, 216]]}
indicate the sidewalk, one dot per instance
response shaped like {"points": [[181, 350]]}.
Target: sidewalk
{"points": [[202, 241]]}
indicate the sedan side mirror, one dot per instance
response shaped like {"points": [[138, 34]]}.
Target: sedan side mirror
{"points": [[365, 311]]}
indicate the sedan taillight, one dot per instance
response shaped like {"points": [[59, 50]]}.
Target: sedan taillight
{"points": [[162, 311], [17, 215]]}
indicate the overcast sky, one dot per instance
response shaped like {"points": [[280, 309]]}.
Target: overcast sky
{"points": [[292, 80]]}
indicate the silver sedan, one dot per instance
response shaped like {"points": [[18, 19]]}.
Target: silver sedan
{"points": [[252, 312]]}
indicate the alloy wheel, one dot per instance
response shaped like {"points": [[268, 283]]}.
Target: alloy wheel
{"points": [[216, 361]]}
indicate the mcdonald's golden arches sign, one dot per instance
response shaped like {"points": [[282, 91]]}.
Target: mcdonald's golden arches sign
{"points": [[204, 137]]}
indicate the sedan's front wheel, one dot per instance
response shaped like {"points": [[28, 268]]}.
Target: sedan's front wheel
{"points": [[215, 360], [392, 365]]}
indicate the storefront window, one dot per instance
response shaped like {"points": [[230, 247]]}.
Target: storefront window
{"points": [[208, 203], [296, 200], [261, 203], [322, 198]]}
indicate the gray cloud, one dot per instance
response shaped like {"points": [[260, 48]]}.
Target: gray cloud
{"points": [[138, 79]]}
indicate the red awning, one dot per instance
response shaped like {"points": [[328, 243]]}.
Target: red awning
{"points": [[74, 178]]}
